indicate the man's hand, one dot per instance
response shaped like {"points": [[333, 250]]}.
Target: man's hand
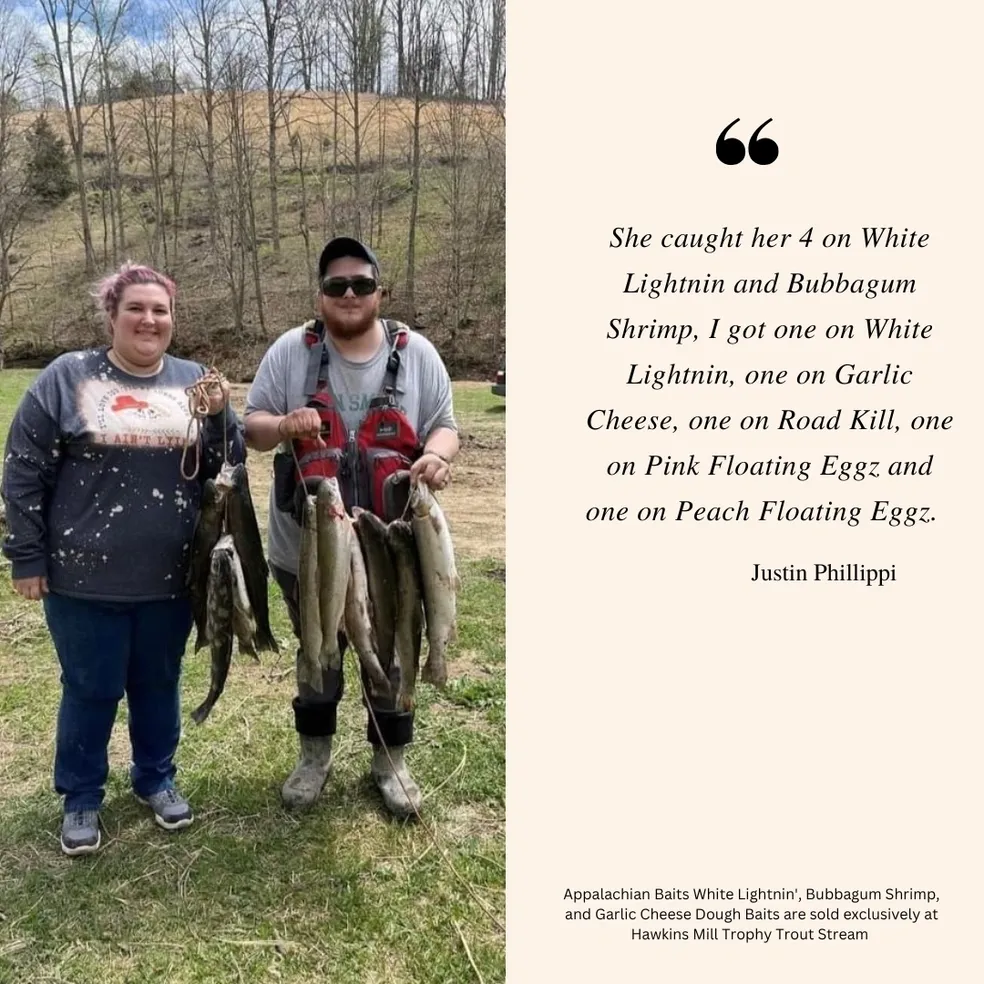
{"points": [[302, 422], [432, 470], [31, 588]]}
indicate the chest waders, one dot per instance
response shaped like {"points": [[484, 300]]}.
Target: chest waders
{"points": [[371, 465]]}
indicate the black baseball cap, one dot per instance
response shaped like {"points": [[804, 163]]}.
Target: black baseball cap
{"points": [[344, 246]]}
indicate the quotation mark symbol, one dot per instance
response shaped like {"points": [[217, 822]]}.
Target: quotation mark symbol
{"points": [[731, 150]]}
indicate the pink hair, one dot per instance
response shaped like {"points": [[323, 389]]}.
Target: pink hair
{"points": [[110, 289]]}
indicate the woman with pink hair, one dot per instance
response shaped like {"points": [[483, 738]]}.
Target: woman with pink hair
{"points": [[100, 522]]}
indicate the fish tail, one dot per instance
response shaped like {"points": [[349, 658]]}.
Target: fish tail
{"points": [[376, 674], [330, 655], [264, 641], [205, 708], [307, 674]]}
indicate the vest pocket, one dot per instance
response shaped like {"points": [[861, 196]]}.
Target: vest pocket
{"points": [[316, 463], [387, 499], [284, 481]]}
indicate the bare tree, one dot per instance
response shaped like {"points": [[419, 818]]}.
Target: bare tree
{"points": [[307, 22], [492, 46], [270, 28], [176, 169], [470, 201], [239, 166], [107, 18], [360, 29], [202, 24], [72, 78], [300, 151], [422, 37], [15, 59], [401, 15], [156, 122], [463, 25]]}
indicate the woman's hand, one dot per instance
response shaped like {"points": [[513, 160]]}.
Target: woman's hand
{"points": [[218, 396], [31, 588]]}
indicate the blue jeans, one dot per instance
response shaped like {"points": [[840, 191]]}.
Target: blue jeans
{"points": [[105, 650]]}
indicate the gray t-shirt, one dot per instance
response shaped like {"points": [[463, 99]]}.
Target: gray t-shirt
{"points": [[423, 393]]}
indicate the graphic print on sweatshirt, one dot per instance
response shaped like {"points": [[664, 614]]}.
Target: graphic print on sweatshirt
{"points": [[120, 415]]}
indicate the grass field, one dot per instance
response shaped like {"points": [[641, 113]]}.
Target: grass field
{"points": [[249, 893]]}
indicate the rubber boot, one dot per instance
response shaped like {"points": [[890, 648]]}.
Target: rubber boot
{"points": [[304, 784], [400, 793]]}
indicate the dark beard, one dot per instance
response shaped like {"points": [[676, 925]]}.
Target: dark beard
{"points": [[349, 329]]}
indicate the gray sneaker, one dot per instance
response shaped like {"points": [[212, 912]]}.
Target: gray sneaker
{"points": [[80, 832], [171, 809]]}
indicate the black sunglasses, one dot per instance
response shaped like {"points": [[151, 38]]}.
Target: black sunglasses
{"points": [[336, 286]]}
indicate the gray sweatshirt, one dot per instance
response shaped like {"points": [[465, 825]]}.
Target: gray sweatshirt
{"points": [[92, 481]]}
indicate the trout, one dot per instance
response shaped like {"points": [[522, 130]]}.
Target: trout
{"points": [[208, 529], [334, 569], [219, 622], [358, 622], [309, 666], [241, 523], [243, 620], [439, 579], [381, 580], [409, 615]]}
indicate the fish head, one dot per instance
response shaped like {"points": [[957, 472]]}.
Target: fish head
{"points": [[370, 521], [329, 497], [371, 532], [310, 512], [399, 534], [212, 494], [229, 476], [421, 499], [221, 557]]}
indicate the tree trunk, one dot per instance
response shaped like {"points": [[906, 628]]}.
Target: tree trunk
{"points": [[414, 205]]}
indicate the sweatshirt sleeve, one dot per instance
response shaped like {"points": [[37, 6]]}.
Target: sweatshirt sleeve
{"points": [[218, 440], [31, 462]]}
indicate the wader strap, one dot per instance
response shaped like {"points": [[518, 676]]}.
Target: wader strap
{"points": [[317, 367], [396, 340]]}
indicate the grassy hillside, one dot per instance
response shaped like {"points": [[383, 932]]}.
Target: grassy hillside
{"points": [[330, 179]]}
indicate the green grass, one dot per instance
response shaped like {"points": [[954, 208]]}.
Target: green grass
{"points": [[342, 893], [480, 412]]}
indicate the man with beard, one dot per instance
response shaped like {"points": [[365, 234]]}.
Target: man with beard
{"points": [[365, 400]]}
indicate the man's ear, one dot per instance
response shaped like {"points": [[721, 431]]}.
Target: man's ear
{"points": [[384, 292]]}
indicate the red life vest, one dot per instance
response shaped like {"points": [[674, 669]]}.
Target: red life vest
{"points": [[385, 442]]}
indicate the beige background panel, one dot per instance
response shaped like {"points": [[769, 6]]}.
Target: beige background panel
{"points": [[671, 724]]}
